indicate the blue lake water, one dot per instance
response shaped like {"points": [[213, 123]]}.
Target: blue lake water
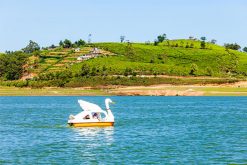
{"points": [[148, 130]]}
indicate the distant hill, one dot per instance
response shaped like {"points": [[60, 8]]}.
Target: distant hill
{"points": [[176, 57], [118, 61]]}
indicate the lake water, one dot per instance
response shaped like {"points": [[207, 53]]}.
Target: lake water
{"points": [[148, 130]]}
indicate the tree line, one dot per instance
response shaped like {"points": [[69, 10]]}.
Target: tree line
{"points": [[163, 37]]}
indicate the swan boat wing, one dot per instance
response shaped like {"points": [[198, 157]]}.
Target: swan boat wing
{"points": [[87, 106]]}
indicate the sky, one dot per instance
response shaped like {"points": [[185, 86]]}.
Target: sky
{"points": [[49, 21]]}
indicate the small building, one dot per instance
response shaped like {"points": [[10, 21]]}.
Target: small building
{"points": [[77, 49], [95, 51], [83, 58]]}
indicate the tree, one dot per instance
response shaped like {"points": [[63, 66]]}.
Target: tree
{"points": [[161, 38], [61, 44], [67, 43], [85, 70], [191, 37], [80, 43], [52, 46], [156, 42], [31, 47], [194, 69], [11, 65], [213, 41], [187, 45], [203, 44], [122, 38], [234, 46], [147, 42], [203, 38], [245, 49]]}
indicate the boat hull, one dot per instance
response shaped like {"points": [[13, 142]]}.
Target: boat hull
{"points": [[92, 124]]}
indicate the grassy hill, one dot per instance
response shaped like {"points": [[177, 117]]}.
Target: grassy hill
{"points": [[172, 59], [146, 64]]}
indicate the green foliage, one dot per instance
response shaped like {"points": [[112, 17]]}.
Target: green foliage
{"points": [[85, 70], [31, 47], [193, 69], [79, 43], [192, 45], [209, 71], [245, 49], [161, 38], [213, 41], [96, 81], [203, 38], [58, 67], [156, 42], [203, 44], [11, 65], [122, 38], [52, 46], [234, 46], [176, 61], [61, 44], [67, 43], [129, 50], [128, 71], [187, 45]]}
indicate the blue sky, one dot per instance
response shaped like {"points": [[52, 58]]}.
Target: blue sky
{"points": [[48, 21]]}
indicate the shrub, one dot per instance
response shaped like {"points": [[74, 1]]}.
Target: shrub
{"points": [[193, 69]]}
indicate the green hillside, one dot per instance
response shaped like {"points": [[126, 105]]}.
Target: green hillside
{"points": [[132, 64], [172, 59]]}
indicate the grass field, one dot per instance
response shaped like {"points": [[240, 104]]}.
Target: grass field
{"points": [[159, 90], [14, 91]]}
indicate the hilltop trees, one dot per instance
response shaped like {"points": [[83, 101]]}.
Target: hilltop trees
{"points": [[234, 46], [156, 42], [31, 47], [79, 43], [68, 44], [203, 42], [61, 43], [245, 49], [213, 41], [191, 37], [203, 38], [122, 38], [161, 38]]}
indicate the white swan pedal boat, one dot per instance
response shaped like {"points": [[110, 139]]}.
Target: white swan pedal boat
{"points": [[92, 115]]}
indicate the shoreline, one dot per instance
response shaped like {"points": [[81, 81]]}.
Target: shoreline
{"points": [[235, 89]]}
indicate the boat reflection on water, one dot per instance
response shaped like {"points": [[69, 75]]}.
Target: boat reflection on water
{"points": [[94, 135]]}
